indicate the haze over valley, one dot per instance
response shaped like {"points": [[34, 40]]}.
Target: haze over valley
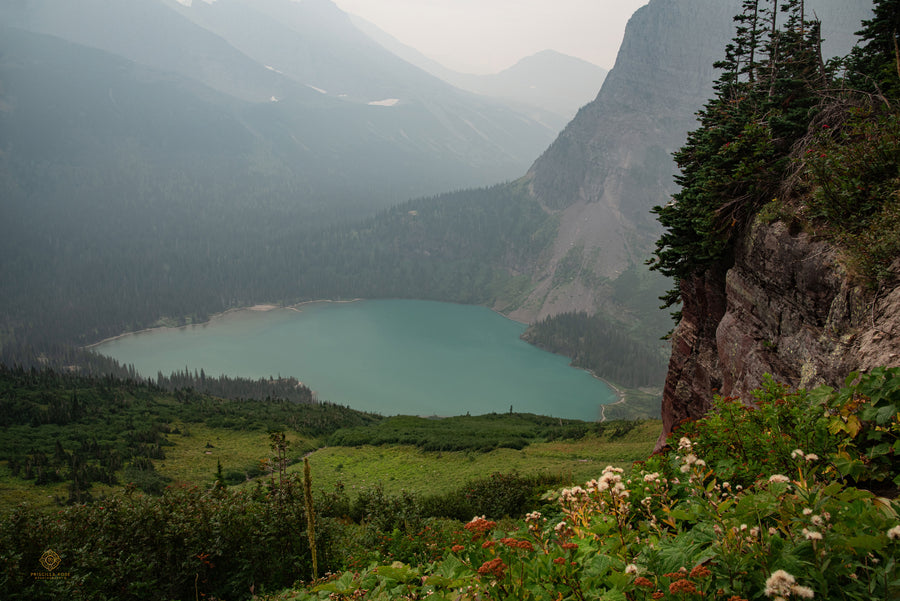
{"points": [[267, 151], [290, 290]]}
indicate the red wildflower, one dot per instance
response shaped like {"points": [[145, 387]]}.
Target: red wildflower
{"points": [[480, 526], [559, 561], [641, 581], [700, 571], [683, 586], [569, 546], [487, 544], [457, 548], [495, 567]]}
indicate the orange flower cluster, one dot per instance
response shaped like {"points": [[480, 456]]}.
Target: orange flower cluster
{"points": [[645, 582], [457, 548], [517, 544], [683, 586], [480, 526], [495, 567], [569, 546], [700, 571]]}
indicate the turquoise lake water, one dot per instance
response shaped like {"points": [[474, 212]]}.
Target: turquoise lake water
{"points": [[394, 357]]}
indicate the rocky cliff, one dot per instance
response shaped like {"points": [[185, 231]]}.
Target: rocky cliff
{"points": [[613, 162], [787, 307]]}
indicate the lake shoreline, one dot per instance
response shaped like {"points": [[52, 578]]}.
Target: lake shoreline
{"points": [[258, 308], [619, 395]]}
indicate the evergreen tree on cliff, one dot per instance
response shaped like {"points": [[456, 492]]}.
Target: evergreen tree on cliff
{"points": [[768, 92], [875, 66]]}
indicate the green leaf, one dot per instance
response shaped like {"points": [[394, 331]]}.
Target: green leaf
{"points": [[867, 542]]}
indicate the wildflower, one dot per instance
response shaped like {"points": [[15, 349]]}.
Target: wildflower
{"points": [[651, 477], [495, 567], [812, 457], [487, 544], [480, 525], [559, 561], [534, 516], [894, 533], [641, 581], [569, 546], [779, 478], [817, 520], [797, 453], [781, 585], [684, 444], [631, 569], [812, 534], [700, 571], [807, 511], [679, 574], [683, 586], [457, 548], [658, 595]]}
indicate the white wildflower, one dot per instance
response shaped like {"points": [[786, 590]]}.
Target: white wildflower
{"points": [[804, 592], [894, 533], [807, 511], [684, 444], [651, 477], [779, 478], [797, 453], [631, 569], [811, 534], [779, 584], [812, 457]]}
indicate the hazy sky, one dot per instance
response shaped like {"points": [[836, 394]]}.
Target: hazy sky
{"points": [[486, 36]]}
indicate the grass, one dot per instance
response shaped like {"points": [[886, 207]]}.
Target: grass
{"points": [[198, 449], [399, 468]]}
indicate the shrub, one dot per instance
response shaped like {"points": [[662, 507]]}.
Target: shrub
{"points": [[681, 527]]}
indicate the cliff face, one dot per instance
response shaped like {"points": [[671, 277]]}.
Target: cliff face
{"points": [[613, 162], [787, 307]]}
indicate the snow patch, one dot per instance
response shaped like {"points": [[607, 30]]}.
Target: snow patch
{"points": [[385, 102], [273, 99], [271, 68], [319, 90]]}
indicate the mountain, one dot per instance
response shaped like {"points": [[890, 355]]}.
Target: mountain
{"points": [[613, 162], [391, 131], [548, 86]]}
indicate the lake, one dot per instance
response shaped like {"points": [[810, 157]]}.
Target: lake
{"points": [[386, 356]]}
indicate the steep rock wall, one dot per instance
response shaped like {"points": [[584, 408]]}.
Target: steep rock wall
{"points": [[787, 307], [613, 162]]}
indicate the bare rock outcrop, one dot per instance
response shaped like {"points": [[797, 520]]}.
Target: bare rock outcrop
{"points": [[787, 307]]}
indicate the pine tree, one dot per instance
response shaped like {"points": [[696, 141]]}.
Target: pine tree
{"points": [[875, 65], [764, 100]]}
